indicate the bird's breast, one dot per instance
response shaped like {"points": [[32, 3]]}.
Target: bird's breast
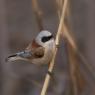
{"points": [[48, 54]]}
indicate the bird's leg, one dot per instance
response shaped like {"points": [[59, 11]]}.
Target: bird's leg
{"points": [[52, 75], [57, 45]]}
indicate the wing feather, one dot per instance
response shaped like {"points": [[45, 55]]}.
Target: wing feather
{"points": [[37, 50]]}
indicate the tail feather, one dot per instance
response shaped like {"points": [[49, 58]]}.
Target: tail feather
{"points": [[19, 56], [12, 55]]}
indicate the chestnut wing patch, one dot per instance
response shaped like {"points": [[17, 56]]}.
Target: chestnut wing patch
{"points": [[36, 50], [33, 45], [39, 52]]}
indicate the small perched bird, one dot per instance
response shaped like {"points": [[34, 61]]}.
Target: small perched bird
{"points": [[40, 51]]}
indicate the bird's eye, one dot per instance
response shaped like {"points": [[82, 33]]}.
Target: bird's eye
{"points": [[47, 38]]}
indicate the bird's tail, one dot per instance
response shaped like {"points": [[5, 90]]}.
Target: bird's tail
{"points": [[19, 56]]}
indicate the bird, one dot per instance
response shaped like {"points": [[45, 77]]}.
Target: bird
{"points": [[39, 51]]}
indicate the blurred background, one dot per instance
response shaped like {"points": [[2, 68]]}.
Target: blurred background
{"points": [[18, 26]]}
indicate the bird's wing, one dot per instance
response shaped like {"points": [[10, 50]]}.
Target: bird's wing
{"points": [[33, 45], [32, 51], [36, 50]]}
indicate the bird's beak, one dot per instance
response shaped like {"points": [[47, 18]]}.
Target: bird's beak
{"points": [[19, 56]]}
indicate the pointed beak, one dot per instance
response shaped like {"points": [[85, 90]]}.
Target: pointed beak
{"points": [[19, 56]]}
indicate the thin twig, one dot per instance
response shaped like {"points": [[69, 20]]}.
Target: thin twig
{"points": [[73, 47], [65, 33], [71, 41], [38, 14], [72, 59], [76, 77], [47, 79]]}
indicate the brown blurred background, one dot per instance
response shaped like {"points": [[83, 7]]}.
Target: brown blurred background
{"points": [[18, 26]]}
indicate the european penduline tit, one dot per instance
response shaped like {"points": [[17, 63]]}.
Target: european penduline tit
{"points": [[39, 51]]}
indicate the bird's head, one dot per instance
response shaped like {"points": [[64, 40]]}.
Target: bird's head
{"points": [[44, 38]]}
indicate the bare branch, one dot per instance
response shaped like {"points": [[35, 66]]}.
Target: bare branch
{"points": [[47, 79]]}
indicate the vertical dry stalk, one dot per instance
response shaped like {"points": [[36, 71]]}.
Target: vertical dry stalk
{"points": [[65, 33], [47, 79], [77, 79], [72, 66], [38, 14], [71, 41], [70, 55]]}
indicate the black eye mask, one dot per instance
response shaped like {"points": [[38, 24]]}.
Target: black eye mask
{"points": [[46, 38]]}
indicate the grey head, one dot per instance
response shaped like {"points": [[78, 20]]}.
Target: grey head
{"points": [[44, 37]]}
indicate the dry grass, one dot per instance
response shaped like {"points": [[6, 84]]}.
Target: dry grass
{"points": [[38, 14], [76, 77]]}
